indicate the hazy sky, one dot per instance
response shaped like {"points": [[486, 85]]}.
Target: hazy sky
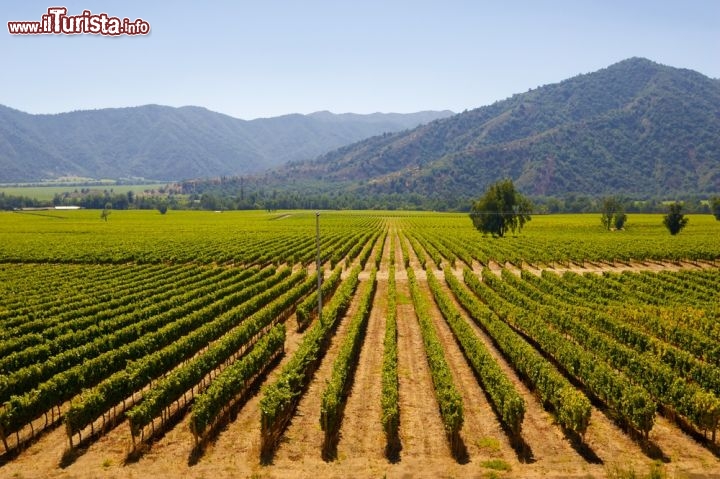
{"points": [[254, 59]]}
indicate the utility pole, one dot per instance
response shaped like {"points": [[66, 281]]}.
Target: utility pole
{"points": [[318, 267]]}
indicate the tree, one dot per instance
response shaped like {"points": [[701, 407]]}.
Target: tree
{"points": [[674, 221], [106, 211], [501, 209], [715, 207], [613, 214]]}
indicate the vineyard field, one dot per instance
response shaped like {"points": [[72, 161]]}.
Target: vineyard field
{"points": [[189, 345]]}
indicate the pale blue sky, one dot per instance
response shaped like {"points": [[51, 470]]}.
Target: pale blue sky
{"points": [[254, 59]]}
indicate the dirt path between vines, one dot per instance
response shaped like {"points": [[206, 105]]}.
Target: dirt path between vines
{"points": [[483, 437], [608, 447], [422, 436], [421, 431], [551, 453], [299, 452], [361, 436]]}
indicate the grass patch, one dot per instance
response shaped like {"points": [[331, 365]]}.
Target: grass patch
{"points": [[403, 298], [657, 471], [488, 444], [496, 464]]}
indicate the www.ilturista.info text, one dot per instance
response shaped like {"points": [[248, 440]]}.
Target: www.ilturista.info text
{"points": [[58, 22]]}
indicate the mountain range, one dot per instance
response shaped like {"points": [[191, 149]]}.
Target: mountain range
{"points": [[633, 128], [636, 128], [165, 143]]}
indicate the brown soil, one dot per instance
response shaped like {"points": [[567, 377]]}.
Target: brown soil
{"points": [[361, 434], [303, 438], [421, 431], [481, 426]]}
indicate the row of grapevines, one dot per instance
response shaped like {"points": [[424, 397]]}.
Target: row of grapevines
{"points": [[280, 398], [667, 324], [281, 253], [42, 298], [107, 349], [234, 380], [362, 248], [421, 241], [607, 338], [405, 253], [41, 318], [419, 252], [96, 401], [22, 296], [367, 249], [379, 253], [632, 404], [666, 289], [448, 397], [390, 397], [333, 398], [616, 287], [75, 316], [442, 245], [86, 338], [436, 247], [454, 247], [22, 408], [571, 407], [507, 401], [708, 278], [182, 379], [307, 310], [554, 284], [347, 247], [682, 362], [55, 322]]}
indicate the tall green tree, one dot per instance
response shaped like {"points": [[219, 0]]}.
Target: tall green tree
{"points": [[715, 207], [675, 220], [106, 211], [613, 214], [501, 209]]}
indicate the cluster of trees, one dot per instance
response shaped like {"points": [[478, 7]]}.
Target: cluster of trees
{"points": [[117, 201], [503, 209], [715, 207], [237, 193], [574, 203], [613, 214], [11, 202]]}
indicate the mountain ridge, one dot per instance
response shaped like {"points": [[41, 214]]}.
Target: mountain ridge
{"points": [[173, 143], [634, 128]]}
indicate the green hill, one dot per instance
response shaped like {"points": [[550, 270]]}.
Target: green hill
{"points": [[165, 143], [634, 128]]}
